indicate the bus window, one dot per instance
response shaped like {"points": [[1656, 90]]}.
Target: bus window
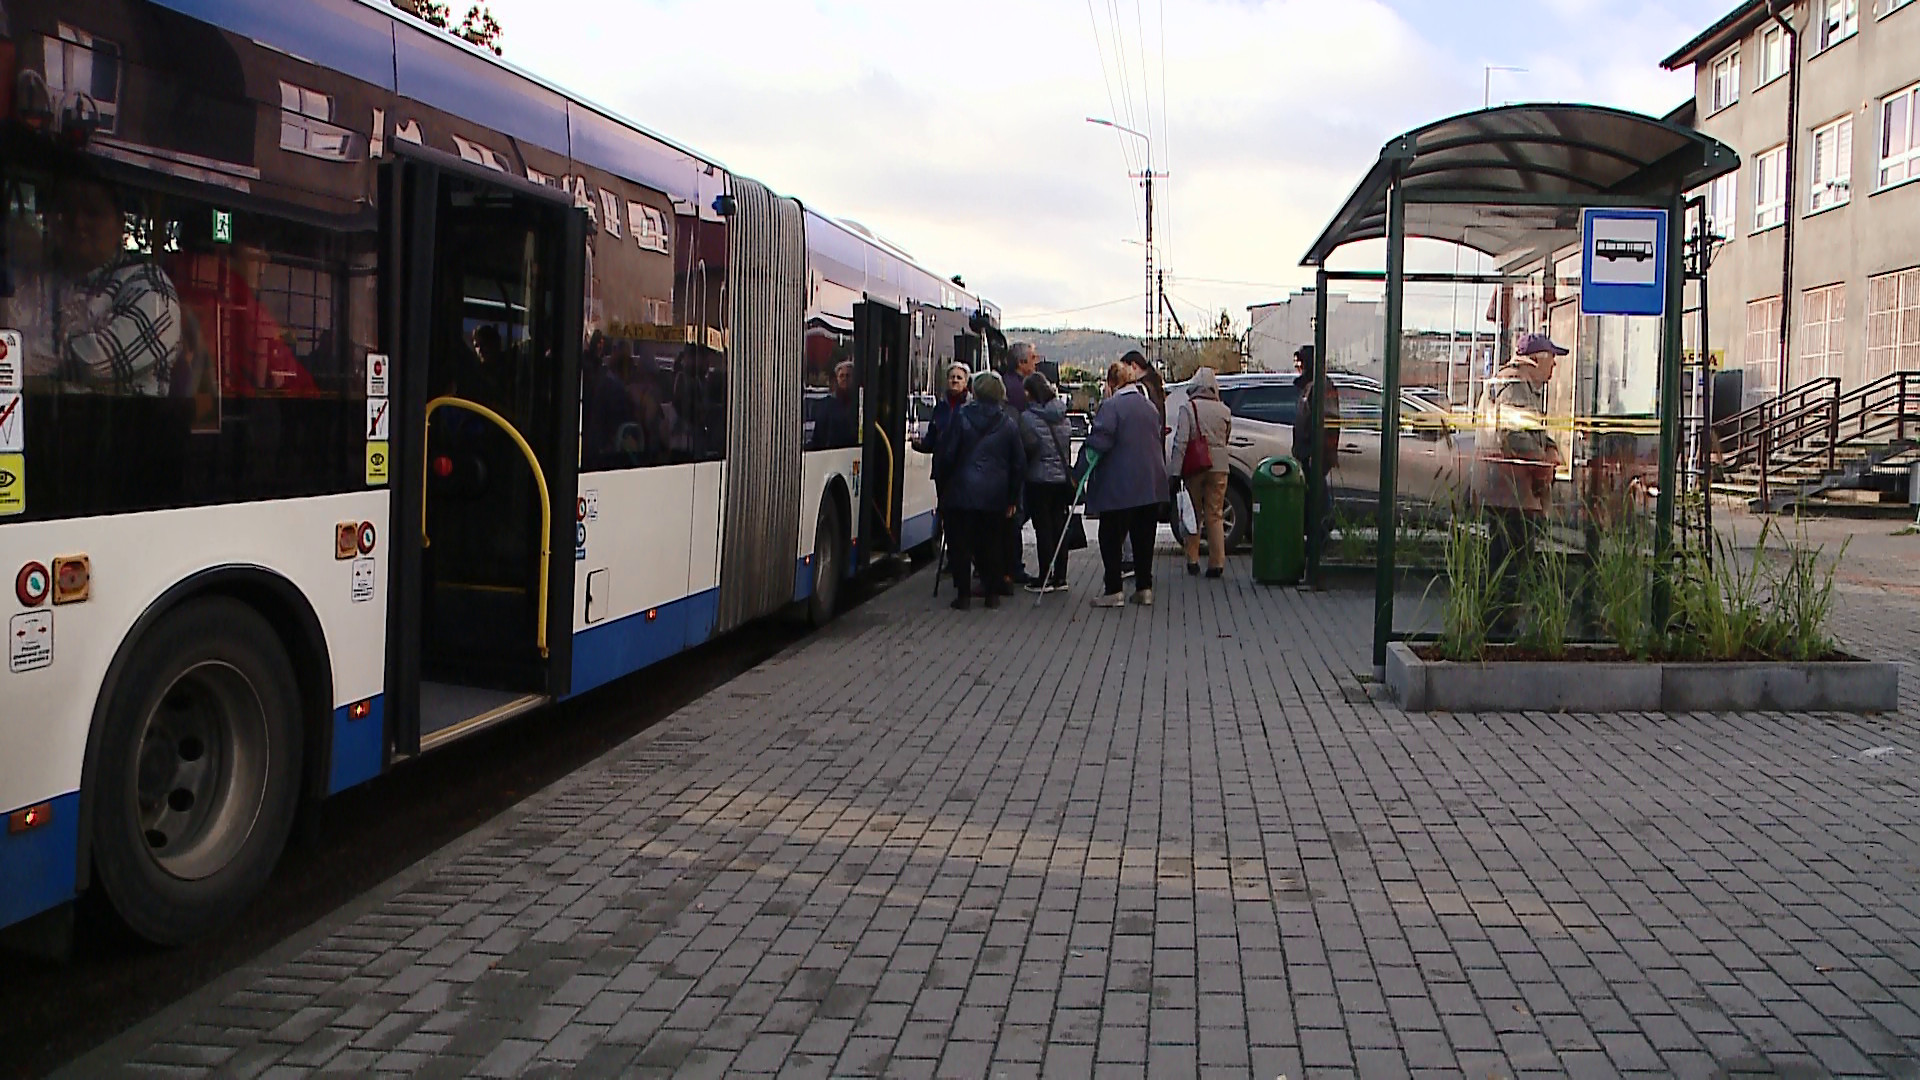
{"points": [[175, 352]]}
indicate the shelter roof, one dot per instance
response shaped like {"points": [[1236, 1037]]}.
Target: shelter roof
{"points": [[1522, 154]]}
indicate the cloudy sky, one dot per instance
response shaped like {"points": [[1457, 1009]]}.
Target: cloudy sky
{"points": [[957, 130]]}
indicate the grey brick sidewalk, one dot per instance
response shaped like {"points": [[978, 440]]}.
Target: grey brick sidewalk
{"points": [[1177, 841]]}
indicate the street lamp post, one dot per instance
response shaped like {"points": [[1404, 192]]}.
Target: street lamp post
{"points": [[1148, 177]]}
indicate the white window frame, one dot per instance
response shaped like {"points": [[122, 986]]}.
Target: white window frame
{"points": [[1823, 339], [1906, 161], [1761, 352], [1722, 205], [1773, 49], [1830, 153], [1893, 322], [70, 60], [1837, 20], [1884, 8], [1770, 201], [307, 127], [1729, 63]]}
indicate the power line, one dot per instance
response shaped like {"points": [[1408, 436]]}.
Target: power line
{"points": [[1100, 52], [1128, 299]]}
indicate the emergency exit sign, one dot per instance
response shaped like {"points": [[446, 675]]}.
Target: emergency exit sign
{"points": [[222, 227]]}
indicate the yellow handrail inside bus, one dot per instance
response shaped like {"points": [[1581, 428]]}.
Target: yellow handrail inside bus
{"points": [[886, 496], [539, 479]]}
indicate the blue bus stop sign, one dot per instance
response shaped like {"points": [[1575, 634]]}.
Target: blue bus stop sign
{"points": [[1623, 262]]}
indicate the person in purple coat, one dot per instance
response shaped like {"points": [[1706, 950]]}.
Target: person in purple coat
{"points": [[1127, 485]]}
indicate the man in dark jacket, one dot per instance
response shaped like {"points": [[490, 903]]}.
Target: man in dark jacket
{"points": [[1308, 380], [986, 468]]}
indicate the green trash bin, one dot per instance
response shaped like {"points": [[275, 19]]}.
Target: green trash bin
{"points": [[1279, 522]]}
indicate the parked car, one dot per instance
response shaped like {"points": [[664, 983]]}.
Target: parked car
{"points": [[1265, 408]]}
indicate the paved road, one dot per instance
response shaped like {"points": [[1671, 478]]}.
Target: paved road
{"points": [[1179, 840]]}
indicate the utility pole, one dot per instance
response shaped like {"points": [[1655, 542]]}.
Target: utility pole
{"points": [[1486, 97], [1148, 176]]}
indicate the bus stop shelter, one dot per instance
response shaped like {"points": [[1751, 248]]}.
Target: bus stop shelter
{"points": [[1539, 190]]}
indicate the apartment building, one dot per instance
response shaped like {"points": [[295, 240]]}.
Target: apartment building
{"points": [[1356, 332], [1819, 271]]}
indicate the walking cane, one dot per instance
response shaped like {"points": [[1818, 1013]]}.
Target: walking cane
{"points": [[1079, 491], [940, 558]]}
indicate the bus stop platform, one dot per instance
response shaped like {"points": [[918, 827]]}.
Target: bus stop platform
{"points": [[1179, 840]]}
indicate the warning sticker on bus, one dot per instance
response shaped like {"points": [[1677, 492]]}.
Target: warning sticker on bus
{"points": [[13, 484], [376, 464], [13, 424], [30, 641]]}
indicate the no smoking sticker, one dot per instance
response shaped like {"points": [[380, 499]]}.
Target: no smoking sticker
{"points": [[13, 424], [377, 424], [30, 641]]}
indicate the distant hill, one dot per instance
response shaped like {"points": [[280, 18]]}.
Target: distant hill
{"points": [[1092, 350]]}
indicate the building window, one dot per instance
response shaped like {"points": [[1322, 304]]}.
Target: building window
{"points": [[1823, 330], [1770, 188], [1722, 197], [1832, 177], [1762, 358], [1883, 8], [1893, 323], [1773, 54], [80, 64], [475, 154], [1899, 141], [306, 124], [1726, 81], [1839, 20]]}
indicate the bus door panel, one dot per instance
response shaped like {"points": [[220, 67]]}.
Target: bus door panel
{"points": [[489, 325], [881, 335]]}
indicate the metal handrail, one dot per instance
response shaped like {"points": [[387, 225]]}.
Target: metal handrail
{"points": [[1745, 426], [1781, 440], [539, 478]]}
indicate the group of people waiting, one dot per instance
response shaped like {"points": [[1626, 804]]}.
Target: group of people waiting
{"points": [[1000, 444]]}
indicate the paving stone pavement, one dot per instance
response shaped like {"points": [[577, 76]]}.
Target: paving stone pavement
{"points": [[1179, 840]]}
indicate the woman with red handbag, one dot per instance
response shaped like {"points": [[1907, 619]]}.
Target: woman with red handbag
{"points": [[1200, 434]]}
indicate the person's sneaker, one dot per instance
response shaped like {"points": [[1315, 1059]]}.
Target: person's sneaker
{"points": [[1057, 585], [1110, 600], [1037, 587], [1143, 597], [1216, 571], [993, 601]]}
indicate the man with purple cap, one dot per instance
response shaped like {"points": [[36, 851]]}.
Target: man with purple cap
{"points": [[1517, 467]]}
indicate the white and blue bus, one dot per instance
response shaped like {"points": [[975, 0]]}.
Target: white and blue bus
{"points": [[359, 391]]}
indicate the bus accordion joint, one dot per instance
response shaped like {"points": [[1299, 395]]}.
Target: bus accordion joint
{"points": [[539, 479]]}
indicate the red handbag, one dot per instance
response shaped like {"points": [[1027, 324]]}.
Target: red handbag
{"points": [[1199, 455]]}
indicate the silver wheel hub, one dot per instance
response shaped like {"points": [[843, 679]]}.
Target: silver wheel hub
{"points": [[200, 777]]}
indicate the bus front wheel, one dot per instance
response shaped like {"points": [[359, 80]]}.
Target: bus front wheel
{"points": [[829, 551], [198, 778]]}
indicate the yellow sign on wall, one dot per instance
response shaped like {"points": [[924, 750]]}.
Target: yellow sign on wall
{"points": [[377, 460], [13, 484]]}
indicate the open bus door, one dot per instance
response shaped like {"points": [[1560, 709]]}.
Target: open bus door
{"points": [[483, 280], [881, 334]]}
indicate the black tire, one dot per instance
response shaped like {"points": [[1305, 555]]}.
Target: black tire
{"points": [[1237, 515], [1237, 510], [829, 558], [198, 777]]}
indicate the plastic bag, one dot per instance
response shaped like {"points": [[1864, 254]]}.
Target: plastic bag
{"points": [[1183, 502]]}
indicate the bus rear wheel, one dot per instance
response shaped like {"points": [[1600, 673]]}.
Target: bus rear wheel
{"points": [[198, 777], [829, 552]]}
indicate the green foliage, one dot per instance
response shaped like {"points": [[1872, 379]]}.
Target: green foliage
{"points": [[1548, 586], [1622, 580], [1803, 600], [477, 26], [1473, 590], [1720, 608]]}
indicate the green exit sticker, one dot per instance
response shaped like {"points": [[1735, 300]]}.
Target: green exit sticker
{"points": [[222, 227]]}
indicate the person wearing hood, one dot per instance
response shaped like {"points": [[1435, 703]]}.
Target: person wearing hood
{"points": [[1207, 419], [985, 471], [1127, 485], [1045, 437]]}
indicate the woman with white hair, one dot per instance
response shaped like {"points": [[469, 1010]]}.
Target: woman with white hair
{"points": [[1201, 431]]}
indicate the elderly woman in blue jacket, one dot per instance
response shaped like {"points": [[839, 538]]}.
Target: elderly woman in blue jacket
{"points": [[985, 468], [1127, 485]]}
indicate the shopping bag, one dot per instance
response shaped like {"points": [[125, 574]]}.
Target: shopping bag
{"points": [[1183, 502], [1076, 532]]}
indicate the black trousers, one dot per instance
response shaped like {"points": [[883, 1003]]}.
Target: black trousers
{"points": [[974, 538], [1118, 528], [1049, 504]]}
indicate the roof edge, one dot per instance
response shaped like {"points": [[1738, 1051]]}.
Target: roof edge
{"points": [[1737, 23]]}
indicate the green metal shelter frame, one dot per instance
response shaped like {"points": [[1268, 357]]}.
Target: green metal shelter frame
{"points": [[1507, 181]]}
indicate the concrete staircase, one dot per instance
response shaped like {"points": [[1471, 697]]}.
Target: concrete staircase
{"points": [[1817, 444]]}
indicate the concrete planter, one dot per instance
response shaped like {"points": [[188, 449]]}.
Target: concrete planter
{"points": [[1858, 686]]}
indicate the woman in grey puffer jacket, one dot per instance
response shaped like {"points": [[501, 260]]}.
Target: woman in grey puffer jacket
{"points": [[1043, 428]]}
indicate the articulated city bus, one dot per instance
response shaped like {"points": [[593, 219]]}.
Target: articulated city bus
{"points": [[359, 391]]}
